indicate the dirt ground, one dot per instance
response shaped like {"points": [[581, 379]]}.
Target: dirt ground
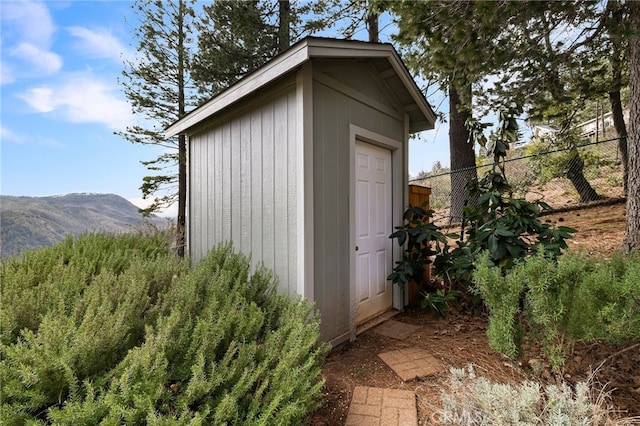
{"points": [[460, 339]]}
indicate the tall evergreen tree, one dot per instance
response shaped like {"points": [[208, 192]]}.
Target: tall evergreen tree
{"points": [[236, 37], [632, 229], [452, 44], [348, 18], [157, 84], [284, 25], [604, 70], [554, 65], [461, 42]]}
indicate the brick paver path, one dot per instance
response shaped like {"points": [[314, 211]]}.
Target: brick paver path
{"points": [[410, 363], [383, 407], [396, 329]]}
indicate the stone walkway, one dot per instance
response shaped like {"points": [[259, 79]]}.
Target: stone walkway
{"points": [[393, 407], [411, 363], [384, 407], [396, 329]]}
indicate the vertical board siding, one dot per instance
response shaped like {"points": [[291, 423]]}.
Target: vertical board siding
{"points": [[204, 208], [256, 187], [243, 187], [227, 174], [235, 193], [333, 113], [216, 218], [268, 167], [245, 184], [292, 191], [280, 187], [194, 208]]}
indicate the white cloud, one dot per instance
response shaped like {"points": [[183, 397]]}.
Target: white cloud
{"points": [[27, 32], [8, 135], [100, 43], [41, 99], [81, 99], [31, 19], [44, 61]]}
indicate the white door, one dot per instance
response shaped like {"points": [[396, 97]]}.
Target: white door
{"points": [[373, 224]]}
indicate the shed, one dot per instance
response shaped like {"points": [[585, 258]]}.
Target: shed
{"points": [[303, 165]]}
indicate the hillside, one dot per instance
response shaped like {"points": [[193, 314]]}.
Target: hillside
{"points": [[31, 222]]}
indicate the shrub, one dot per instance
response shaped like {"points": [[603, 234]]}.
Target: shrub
{"points": [[422, 240], [151, 342], [501, 294], [56, 278], [71, 312], [472, 400], [561, 302], [506, 227]]}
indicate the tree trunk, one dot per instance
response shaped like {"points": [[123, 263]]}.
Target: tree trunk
{"points": [[182, 196], [617, 64], [284, 15], [181, 224], [462, 154], [621, 130], [632, 229], [580, 183], [372, 28]]}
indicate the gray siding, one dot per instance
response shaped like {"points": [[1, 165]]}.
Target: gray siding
{"points": [[242, 187], [356, 75], [333, 112]]}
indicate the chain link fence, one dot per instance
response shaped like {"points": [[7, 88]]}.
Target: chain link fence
{"points": [[562, 178]]}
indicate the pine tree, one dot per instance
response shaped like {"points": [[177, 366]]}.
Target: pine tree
{"points": [[158, 85], [604, 70], [236, 37], [462, 42], [353, 16], [553, 67], [632, 230], [451, 44]]}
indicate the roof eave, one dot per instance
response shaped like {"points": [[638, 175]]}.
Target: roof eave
{"points": [[295, 56], [277, 67]]}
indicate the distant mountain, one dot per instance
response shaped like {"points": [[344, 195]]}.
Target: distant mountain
{"points": [[31, 222]]}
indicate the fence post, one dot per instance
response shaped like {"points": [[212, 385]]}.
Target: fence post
{"points": [[418, 195]]}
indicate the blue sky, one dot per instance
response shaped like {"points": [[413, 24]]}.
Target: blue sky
{"points": [[61, 101]]}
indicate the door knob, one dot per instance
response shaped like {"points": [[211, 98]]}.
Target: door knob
{"points": [[356, 248]]}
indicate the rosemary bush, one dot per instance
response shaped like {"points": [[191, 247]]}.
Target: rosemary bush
{"points": [[117, 330], [572, 298]]}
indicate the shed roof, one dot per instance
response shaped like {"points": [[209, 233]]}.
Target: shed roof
{"points": [[386, 61]]}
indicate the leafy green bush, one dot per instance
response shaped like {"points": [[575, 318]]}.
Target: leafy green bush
{"points": [[501, 294], [56, 278], [506, 227], [422, 240], [439, 301], [72, 311], [575, 298], [130, 335]]}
